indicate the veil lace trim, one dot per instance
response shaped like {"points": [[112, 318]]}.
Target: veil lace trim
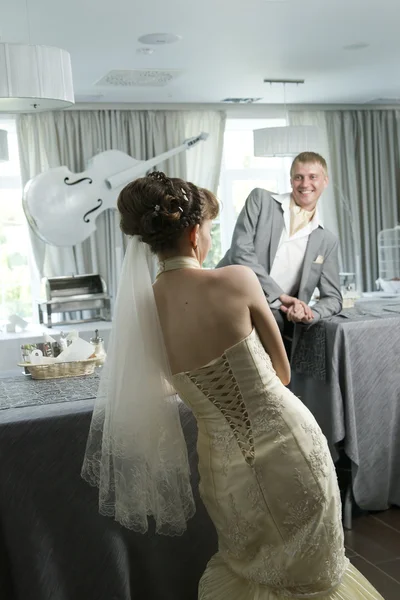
{"points": [[136, 452]]}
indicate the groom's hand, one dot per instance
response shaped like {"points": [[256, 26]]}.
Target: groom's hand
{"points": [[298, 314], [296, 310], [287, 301]]}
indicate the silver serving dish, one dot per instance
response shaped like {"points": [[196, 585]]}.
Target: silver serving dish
{"points": [[75, 299]]}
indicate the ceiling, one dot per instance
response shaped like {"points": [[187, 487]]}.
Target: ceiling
{"points": [[228, 47]]}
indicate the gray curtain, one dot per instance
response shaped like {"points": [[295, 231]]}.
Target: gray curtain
{"points": [[365, 162]]}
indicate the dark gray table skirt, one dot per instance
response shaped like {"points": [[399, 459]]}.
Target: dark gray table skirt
{"points": [[53, 543]]}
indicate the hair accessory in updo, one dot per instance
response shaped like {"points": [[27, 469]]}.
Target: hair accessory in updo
{"points": [[174, 194], [160, 176]]}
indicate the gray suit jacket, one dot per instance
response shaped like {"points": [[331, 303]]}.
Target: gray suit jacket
{"points": [[255, 242]]}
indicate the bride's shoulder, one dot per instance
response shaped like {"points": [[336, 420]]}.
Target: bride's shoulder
{"points": [[235, 275]]}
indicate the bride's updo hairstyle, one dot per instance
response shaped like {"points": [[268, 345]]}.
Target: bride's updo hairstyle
{"points": [[159, 208]]}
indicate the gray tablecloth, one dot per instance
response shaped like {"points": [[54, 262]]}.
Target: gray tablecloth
{"points": [[354, 393], [53, 543]]}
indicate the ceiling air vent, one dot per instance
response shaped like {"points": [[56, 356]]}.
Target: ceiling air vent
{"points": [[138, 77], [240, 100]]}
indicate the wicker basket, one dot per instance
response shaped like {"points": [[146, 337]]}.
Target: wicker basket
{"points": [[74, 368]]}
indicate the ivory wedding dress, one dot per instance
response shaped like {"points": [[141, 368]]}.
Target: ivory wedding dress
{"points": [[268, 482]]}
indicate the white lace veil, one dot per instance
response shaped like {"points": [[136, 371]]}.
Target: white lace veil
{"points": [[136, 452]]}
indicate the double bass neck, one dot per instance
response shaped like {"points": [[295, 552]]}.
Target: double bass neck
{"points": [[141, 167]]}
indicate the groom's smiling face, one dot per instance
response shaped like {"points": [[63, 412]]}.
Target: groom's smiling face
{"points": [[308, 182]]}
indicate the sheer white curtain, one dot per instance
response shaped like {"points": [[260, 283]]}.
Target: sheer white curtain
{"points": [[71, 138], [203, 162]]}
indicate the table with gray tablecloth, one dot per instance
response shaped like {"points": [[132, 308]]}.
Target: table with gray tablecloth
{"points": [[54, 545], [346, 369]]}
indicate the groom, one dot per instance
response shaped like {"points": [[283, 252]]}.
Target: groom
{"points": [[281, 237]]}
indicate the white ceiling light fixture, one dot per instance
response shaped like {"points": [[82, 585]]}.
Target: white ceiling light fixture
{"points": [[288, 140], [3, 146], [34, 78]]}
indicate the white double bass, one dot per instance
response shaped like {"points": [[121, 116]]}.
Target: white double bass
{"points": [[62, 207]]}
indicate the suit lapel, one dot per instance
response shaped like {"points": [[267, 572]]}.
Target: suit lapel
{"points": [[277, 228], [314, 242]]}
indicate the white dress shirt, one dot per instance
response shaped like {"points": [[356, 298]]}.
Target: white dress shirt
{"points": [[288, 262]]}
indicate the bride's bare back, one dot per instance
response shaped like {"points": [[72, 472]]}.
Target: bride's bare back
{"points": [[204, 312]]}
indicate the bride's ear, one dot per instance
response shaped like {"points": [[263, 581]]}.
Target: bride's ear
{"points": [[194, 236]]}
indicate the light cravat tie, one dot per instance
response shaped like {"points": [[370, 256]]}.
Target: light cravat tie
{"points": [[299, 217]]}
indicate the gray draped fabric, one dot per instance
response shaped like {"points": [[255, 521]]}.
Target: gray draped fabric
{"points": [[365, 161]]}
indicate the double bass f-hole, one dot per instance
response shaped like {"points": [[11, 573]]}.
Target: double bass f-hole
{"points": [[68, 182], [86, 215]]}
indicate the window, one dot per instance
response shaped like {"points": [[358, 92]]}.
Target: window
{"points": [[241, 172], [15, 249]]}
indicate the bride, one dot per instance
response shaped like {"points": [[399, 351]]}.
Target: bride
{"points": [[267, 478]]}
